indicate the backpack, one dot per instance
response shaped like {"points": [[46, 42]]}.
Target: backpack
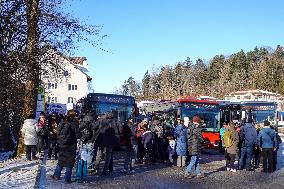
{"points": [[228, 139]]}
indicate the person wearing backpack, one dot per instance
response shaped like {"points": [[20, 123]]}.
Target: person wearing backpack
{"points": [[268, 144], [231, 140], [68, 133], [222, 132], [248, 137]]}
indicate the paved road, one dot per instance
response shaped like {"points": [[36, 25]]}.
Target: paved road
{"points": [[161, 176]]}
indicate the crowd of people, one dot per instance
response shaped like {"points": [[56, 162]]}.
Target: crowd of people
{"points": [[156, 139], [250, 142]]}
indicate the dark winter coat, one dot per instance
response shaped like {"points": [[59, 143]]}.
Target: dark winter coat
{"points": [[148, 140], [67, 142], [106, 132], [129, 134], [86, 127], [180, 134], [53, 132], [248, 135], [194, 140]]}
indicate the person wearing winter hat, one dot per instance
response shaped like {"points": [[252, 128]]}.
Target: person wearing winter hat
{"points": [[194, 140], [267, 142]]}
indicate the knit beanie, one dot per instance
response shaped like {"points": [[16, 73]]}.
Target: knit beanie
{"points": [[196, 119]]}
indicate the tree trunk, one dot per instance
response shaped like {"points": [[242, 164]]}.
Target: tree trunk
{"points": [[30, 98]]}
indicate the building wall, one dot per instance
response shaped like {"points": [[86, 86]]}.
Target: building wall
{"points": [[57, 87]]}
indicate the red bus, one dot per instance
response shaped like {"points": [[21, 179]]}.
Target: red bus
{"points": [[209, 112]]}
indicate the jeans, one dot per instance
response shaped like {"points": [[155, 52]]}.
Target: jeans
{"points": [[194, 161], [130, 156], [248, 151], [68, 172]]}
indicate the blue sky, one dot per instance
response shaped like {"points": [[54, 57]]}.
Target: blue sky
{"points": [[143, 33]]}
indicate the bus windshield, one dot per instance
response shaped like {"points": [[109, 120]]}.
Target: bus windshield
{"points": [[103, 103], [260, 111], [209, 114]]}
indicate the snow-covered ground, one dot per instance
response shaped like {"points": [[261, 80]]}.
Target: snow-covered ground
{"points": [[18, 173]]}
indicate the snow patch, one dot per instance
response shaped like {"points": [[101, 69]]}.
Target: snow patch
{"points": [[18, 173]]}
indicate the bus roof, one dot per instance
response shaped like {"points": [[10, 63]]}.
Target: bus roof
{"points": [[111, 98], [163, 106], [195, 100]]}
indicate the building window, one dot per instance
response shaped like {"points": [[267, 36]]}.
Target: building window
{"points": [[51, 99], [71, 100], [247, 97], [52, 85], [72, 87]]}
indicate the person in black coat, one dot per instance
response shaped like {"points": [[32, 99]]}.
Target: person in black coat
{"points": [[68, 133], [53, 132], [129, 135], [106, 135]]}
